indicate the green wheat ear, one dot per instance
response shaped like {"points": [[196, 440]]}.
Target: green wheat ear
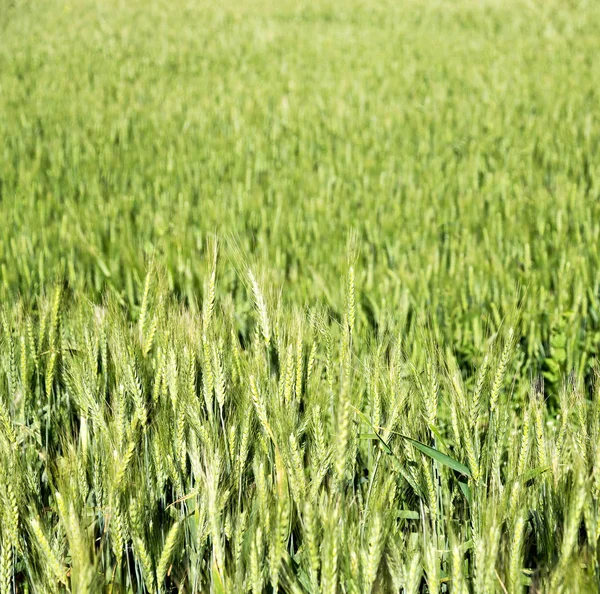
{"points": [[261, 308], [167, 552]]}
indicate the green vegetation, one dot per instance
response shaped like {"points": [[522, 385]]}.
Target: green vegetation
{"points": [[299, 297]]}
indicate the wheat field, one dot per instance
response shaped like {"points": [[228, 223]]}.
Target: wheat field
{"points": [[299, 297]]}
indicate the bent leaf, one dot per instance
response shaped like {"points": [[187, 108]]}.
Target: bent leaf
{"points": [[438, 456]]}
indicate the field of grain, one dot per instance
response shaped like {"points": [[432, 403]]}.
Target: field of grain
{"points": [[299, 297]]}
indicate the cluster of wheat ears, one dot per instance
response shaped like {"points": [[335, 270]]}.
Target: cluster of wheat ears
{"points": [[285, 412], [314, 455]]}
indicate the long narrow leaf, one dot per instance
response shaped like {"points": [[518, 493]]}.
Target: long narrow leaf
{"points": [[438, 456]]}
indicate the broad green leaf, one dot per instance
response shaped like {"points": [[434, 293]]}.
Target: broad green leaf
{"points": [[466, 491], [218, 586], [407, 514], [438, 456]]}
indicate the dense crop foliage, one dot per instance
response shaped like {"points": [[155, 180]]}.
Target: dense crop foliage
{"points": [[299, 297]]}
